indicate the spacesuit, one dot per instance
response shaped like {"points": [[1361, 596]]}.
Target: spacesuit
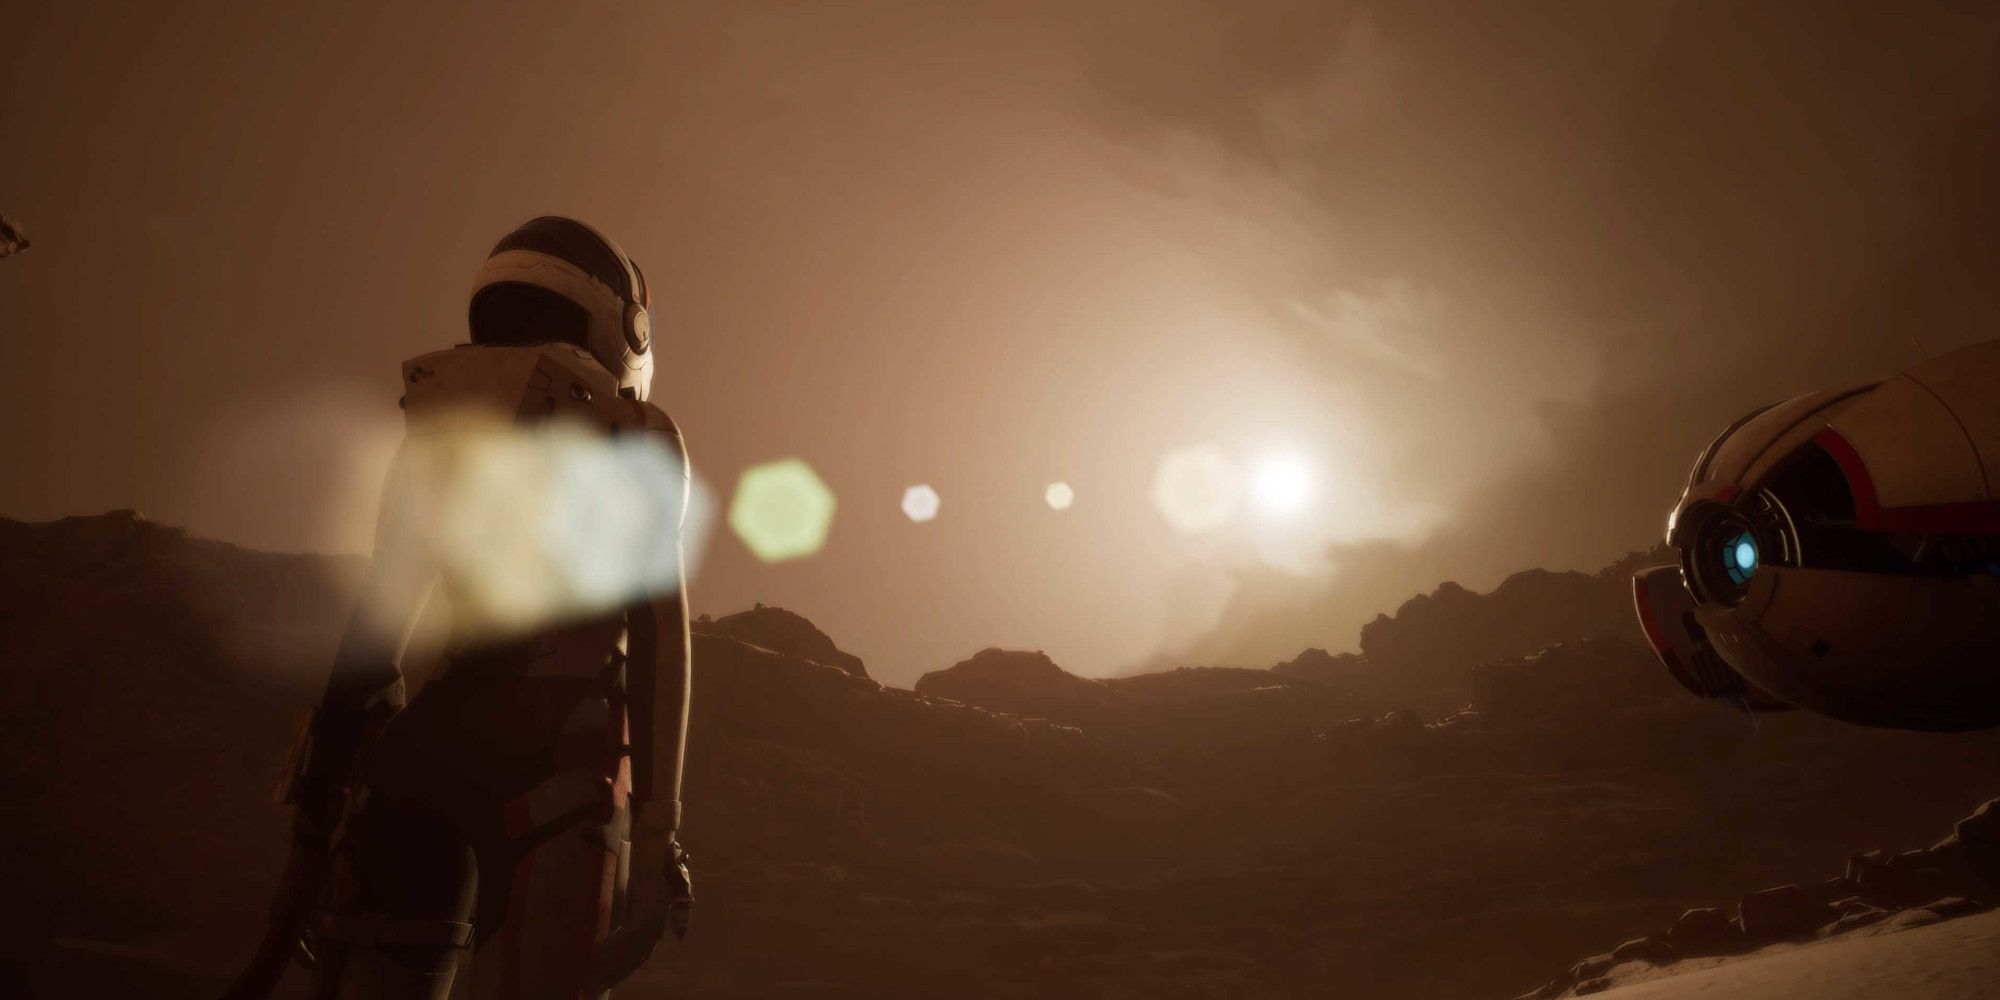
{"points": [[510, 830]]}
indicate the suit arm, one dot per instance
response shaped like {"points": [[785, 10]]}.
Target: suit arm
{"points": [[659, 666], [364, 688]]}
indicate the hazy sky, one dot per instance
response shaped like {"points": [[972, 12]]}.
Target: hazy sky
{"points": [[1497, 270]]}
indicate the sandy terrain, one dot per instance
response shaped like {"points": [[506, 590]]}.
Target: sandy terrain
{"points": [[1953, 960], [1198, 833]]}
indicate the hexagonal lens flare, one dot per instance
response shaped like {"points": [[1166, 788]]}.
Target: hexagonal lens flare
{"points": [[1059, 496], [1197, 489], [920, 503], [782, 510]]}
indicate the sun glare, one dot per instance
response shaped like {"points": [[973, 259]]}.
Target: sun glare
{"points": [[1283, 484]]}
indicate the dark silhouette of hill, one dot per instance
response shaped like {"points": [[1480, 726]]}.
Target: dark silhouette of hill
{"points": [[1335, 669], [12, 239], [1427, 651], [1024, 683], [1189, 833], [781, 631]]}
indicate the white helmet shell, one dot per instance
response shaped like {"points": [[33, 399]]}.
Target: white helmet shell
{"points": [[580, 265]]}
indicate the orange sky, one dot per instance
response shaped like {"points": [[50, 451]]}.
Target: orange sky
{"points": [[1499, 269]]}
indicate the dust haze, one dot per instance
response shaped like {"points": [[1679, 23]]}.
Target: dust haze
{"points": [[1499, 270]]}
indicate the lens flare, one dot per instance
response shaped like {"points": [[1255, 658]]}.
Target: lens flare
{"points": [[782, 510], [1059, 496], [1197, 489], [525, 527], [920, 503]]}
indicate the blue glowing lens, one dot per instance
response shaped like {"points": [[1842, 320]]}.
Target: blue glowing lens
{"points": [[1739, 556]]}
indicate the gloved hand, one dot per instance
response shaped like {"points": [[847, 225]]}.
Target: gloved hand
{"points": [[681, 900], [310, 862], [658, 898], [661, 890], [307, 869]]}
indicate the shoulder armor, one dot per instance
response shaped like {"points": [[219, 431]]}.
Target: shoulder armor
{"points": [[470, 386], [655, 421]]}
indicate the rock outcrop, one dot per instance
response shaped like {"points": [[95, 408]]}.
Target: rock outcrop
{"points": [[782, 631], [1189, 837], [1433, 642], [1783, 912], [1338, 670], [1569, 679], [1021, 682], [1426, 652], [1911, 889], [12, 239], [1706, 930]]}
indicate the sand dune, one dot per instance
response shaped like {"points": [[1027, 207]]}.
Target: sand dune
{"points": [[1953, 960]]}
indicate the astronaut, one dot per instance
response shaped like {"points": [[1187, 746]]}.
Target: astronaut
{"points": [[510, 830]]}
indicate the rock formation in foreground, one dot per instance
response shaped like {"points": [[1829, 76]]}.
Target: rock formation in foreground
{"points": [[1208, 833], [1956, 876], [12, 239]]}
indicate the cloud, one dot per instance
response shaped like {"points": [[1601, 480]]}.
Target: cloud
{"points": [[1352, 87], [1396, 324]]}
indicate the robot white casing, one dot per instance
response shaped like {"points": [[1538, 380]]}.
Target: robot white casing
{"points": [[1840, 552]]}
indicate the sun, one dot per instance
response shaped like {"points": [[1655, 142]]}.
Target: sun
{"points": [[1283, 483]]}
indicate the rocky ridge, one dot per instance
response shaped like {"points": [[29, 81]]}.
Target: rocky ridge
{"points": [[781, 631], [1954, 877], [1207, 833], [12, 239]]}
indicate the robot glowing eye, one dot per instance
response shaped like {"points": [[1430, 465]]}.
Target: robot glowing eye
{"points": [[1740, 557]]}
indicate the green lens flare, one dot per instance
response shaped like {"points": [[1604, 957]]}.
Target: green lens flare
{"points": [[782, 510]]}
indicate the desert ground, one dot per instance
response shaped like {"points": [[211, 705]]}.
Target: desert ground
{"points": [[1492, 788]]}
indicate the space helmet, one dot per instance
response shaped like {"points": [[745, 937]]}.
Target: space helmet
{"points": [[556, 280]]}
